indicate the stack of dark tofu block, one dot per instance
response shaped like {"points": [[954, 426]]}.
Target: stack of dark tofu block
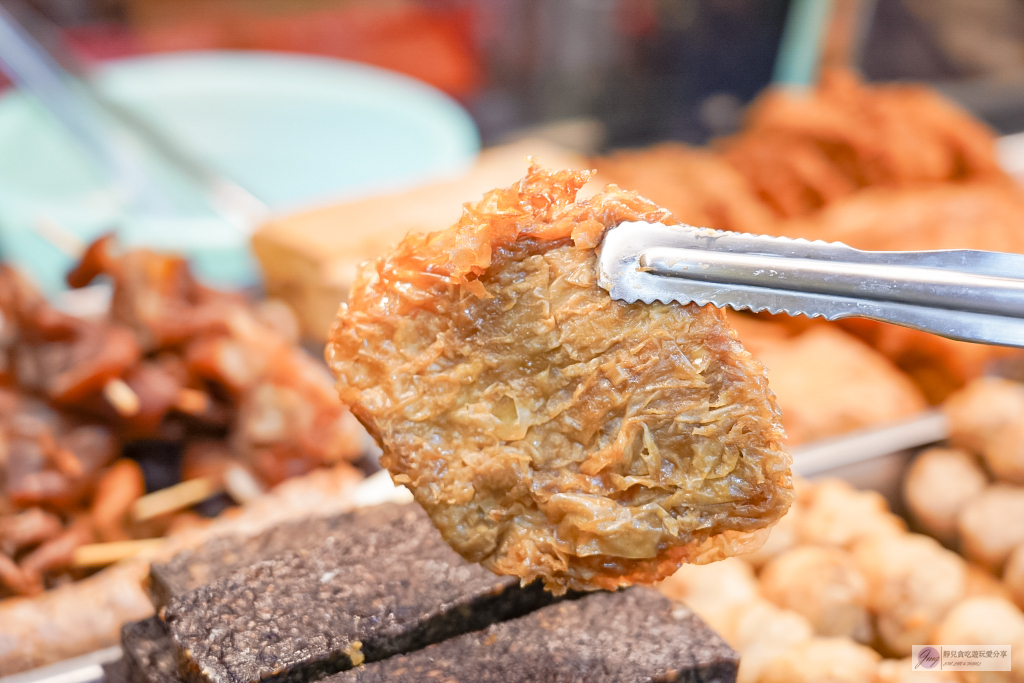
{"points": [[377, 595]]}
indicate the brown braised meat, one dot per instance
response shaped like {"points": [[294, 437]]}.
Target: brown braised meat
{"points": [[51, 459], [222, 362], [548, 430], [155, 294]]}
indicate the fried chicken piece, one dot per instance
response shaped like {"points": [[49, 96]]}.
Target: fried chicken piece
{"points": [[987, 417], [901, 671], [822, 660], [805, 371], [991, 525], [1013, 575], [938, 485], [698, 186], [793, 176], [834, 513], [982, 621], [912, 582], [548, 430], [974, 215], [761, 632], [241, 365], [824, 585], [58, 552], [66, 359]]}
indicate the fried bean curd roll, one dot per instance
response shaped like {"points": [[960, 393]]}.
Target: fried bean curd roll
{"points": [[548, 430]]}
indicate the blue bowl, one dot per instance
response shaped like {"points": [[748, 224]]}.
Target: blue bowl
{"points": [[297, 131]]}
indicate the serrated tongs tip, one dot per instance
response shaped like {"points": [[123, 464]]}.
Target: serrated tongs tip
{"points": [[961, 294]]}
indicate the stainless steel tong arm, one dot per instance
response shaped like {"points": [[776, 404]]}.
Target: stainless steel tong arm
{"points": [[962, 294]]}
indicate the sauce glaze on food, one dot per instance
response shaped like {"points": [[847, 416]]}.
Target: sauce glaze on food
{"points": [[549, 431]]}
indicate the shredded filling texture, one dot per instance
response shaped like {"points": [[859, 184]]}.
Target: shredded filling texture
{"points": [[548, 430]]}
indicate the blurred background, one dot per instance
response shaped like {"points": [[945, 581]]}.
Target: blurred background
{"points": [[640, 70]]}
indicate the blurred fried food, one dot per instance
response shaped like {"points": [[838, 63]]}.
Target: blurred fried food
{"points": [[806, 371], [80, 392], [823, 584], [822, 660], [803, 151], [698, 186], [938, 485], [987, 417], [912, 583], [991, 525], [548, 430]]}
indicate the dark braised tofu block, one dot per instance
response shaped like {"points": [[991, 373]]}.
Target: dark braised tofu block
{"points": [[148, 652], [549, 430], [116, 672], [307, 613], [220, 557], [625, 637]]}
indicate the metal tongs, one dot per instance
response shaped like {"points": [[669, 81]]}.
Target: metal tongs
{"points": [[962, 294]]}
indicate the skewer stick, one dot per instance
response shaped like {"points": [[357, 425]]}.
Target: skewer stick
{"points": [[102, 554], [67, 462], [124, 399], [192, 401], [176, 497], [241, 485], [59, 236]]}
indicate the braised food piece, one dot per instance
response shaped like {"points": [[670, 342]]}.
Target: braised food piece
{"points": [[315, 611], [938, 485], [649, 639], [221, 556], [548, 430], [50, 458], [149, 652]]}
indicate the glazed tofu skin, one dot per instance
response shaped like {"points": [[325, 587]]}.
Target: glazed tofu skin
{"points": [[548, 430]]}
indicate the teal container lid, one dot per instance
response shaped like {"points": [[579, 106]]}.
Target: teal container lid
{"points": [[297, 131]]}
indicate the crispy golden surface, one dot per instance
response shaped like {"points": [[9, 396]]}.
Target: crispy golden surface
{"points": [[548, 430]]}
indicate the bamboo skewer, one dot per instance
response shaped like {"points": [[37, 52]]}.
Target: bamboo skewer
{"points": [[102, 554], [241, 485], [173, 498], [124, 399], [192, 401]]}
